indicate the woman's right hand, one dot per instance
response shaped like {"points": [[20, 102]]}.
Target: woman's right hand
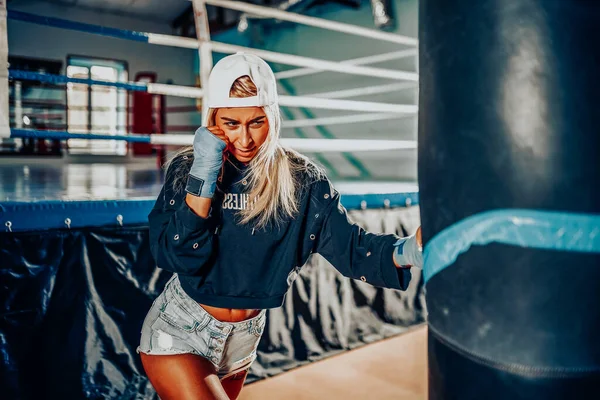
{"points": [[218, 132], [209, 144]]}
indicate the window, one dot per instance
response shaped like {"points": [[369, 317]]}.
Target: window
{"points": [[96, 108]]}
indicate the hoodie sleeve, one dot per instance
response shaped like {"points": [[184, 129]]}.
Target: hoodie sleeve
{"points": [[354, 252], [180, 240]]}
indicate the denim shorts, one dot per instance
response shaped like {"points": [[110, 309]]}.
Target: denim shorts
{"points": [[177, 324]]}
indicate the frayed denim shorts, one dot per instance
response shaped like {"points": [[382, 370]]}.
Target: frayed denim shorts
{"points": [[177, 324]]}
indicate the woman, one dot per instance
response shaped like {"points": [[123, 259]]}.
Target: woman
{"points": [[236, 219]]}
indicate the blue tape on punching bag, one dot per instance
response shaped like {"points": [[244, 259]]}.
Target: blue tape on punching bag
{"points": [[546, 230]]}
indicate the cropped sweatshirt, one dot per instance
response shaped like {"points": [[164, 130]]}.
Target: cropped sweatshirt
{"points": [[223, 263]]}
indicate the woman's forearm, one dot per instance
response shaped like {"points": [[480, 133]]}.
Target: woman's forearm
{"points": [[199, 205]]}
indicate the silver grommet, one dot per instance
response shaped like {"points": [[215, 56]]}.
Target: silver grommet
{"points": [[172, 202], [176, 237], [316, 215], [312, 236], [195, 246], [185, 157], [8, 224], [362, 278], [326, 195], [363, 205], [120, 219], [68, 222], [244, 182]]}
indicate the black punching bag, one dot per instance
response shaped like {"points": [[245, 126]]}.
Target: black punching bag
{"points": [[509, 118]]}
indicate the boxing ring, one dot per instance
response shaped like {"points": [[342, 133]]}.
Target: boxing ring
{"points": [[75, 241]]}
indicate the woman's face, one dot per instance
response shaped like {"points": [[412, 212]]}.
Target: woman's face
{"points": [[246, 129]]}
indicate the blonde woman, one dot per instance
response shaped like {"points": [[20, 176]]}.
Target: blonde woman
{"points": [[236, 219]]}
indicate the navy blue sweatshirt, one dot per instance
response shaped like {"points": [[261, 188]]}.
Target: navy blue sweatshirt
{"points": [[223, 263]]}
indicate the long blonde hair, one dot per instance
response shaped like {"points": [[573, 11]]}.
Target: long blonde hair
{"points": [[275, 175]]}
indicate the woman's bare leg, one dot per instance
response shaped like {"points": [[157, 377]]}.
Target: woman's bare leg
{"points": [[183, 377], [234, 383]]}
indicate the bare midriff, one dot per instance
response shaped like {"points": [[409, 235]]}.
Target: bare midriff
{"points": [[230, 314]]}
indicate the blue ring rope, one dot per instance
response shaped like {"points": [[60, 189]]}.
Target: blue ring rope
{"points": [[63, 135], [78, 26], [547, 230], [51, 78]]}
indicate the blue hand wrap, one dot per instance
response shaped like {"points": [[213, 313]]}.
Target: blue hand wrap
{"points": [[208, 159], [407, 252]]}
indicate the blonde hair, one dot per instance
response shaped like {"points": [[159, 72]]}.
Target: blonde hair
{"points": [[275, 175]]}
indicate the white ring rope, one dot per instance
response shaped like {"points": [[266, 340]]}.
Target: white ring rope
{"points": [[297, 101], [308, 145], [365, 91], [395, 55], [175, 90], [348, 105], [342, 119], [312, 21]]}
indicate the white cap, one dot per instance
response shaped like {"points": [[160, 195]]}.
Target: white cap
{"points": [[232, 67]]}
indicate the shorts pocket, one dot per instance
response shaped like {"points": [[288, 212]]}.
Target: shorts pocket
{"points": [[177, 316], [258, 327]]}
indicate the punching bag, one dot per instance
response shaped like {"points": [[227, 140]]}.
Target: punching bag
{"points": [[509, 180]]}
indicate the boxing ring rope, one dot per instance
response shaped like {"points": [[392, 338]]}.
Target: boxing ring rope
{"points": [[395, 55], [315, 22], [308, 145], [344, 119], [365, 91]]}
